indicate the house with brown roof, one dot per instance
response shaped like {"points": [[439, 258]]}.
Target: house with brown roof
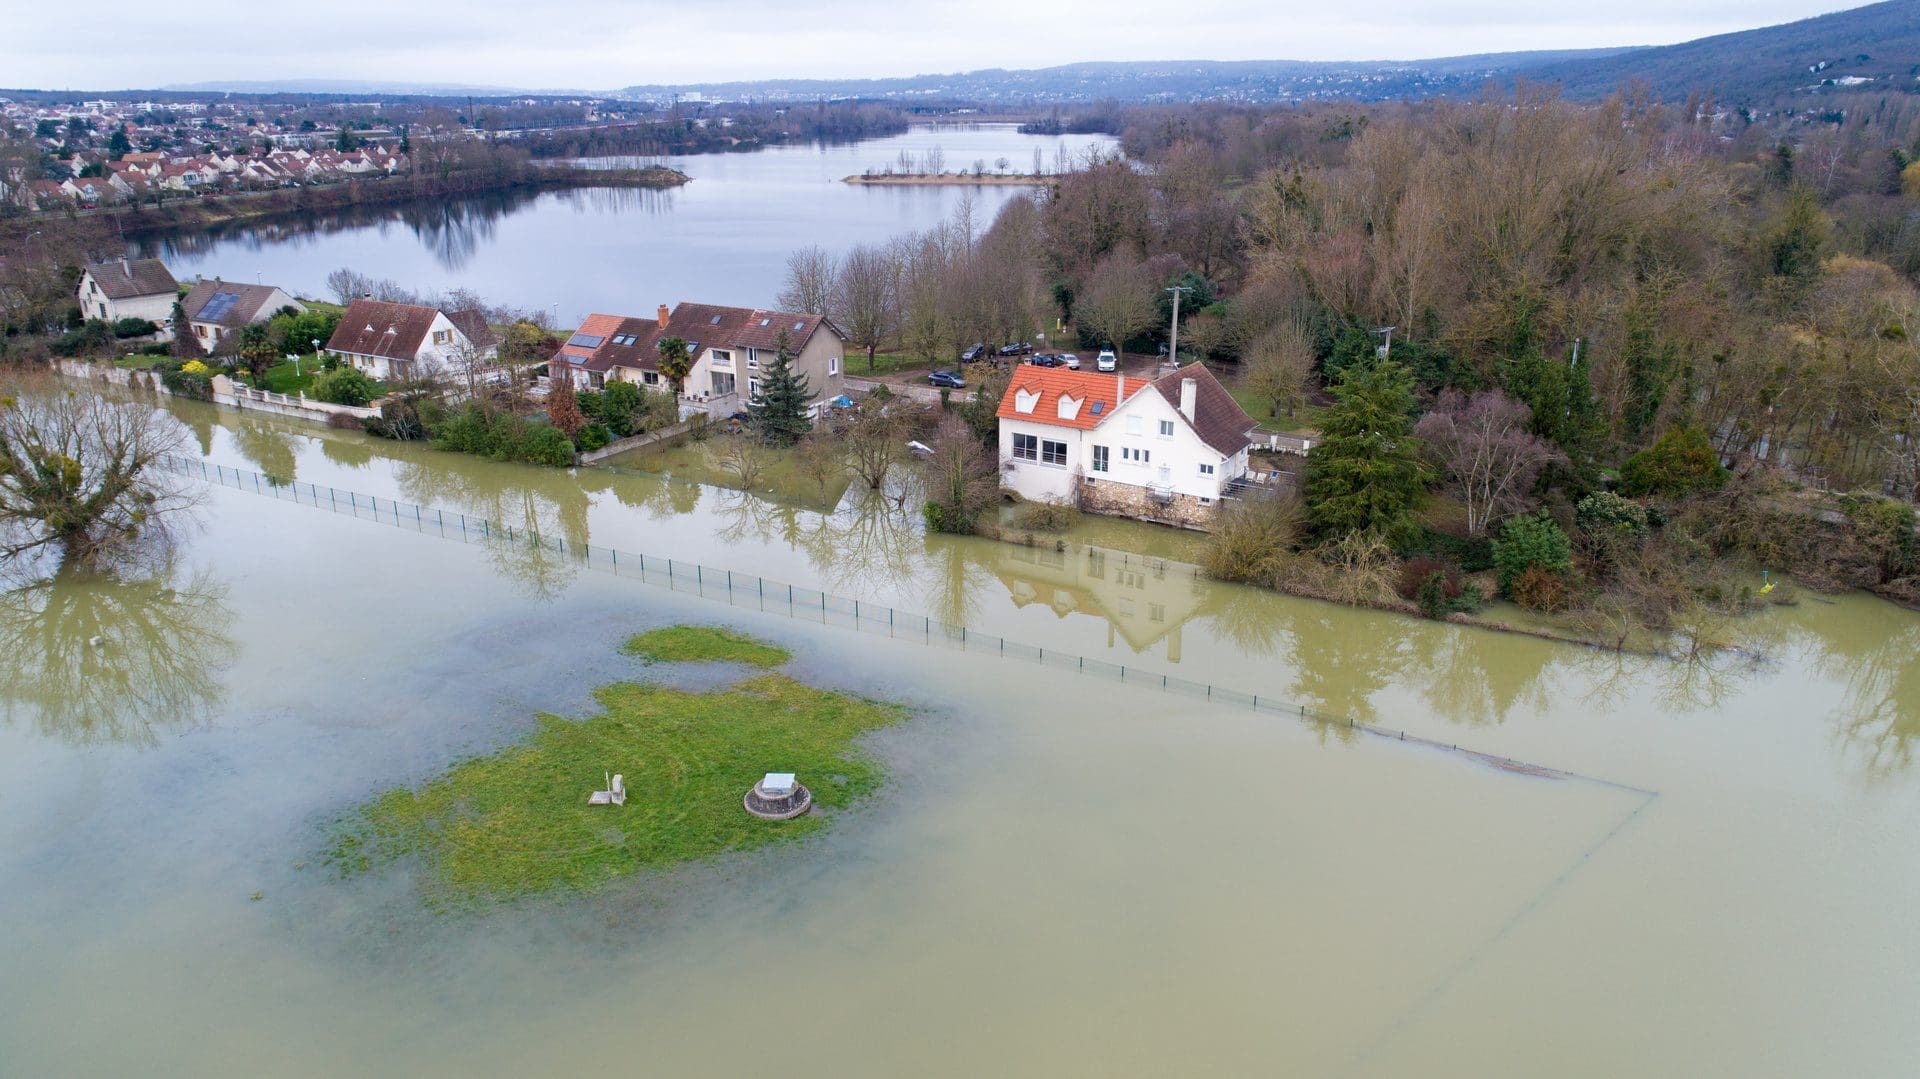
{"points": [[138, 288], [730, 347], [403, 340], [216, 309], [1164, 449]]}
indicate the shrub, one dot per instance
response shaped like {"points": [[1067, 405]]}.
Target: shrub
{"points": [[195, 367], [1606, 512], [134, 327], [1884, 528], [1530, 542], [1541, 589], [345, 421], [1415, 571], [546, 445], [1432, 594], [92, 337], [1252, 541], [1044, 517], [1681, 463], [592, 437], [194, 385], [343, 386]]}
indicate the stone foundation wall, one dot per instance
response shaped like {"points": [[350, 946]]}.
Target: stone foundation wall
{"points": [[1127, 500]]}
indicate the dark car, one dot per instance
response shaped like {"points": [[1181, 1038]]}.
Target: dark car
{"points": [[947, 379], [1018, 348], [977, 352], [1047, 359]]}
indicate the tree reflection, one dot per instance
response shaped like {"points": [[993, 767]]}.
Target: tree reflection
{"points": [[1879, 713], [269, 448], [530, 503], [155, 664], [1339, 666], [1477, 677]]}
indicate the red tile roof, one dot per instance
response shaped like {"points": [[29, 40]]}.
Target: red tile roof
{"points": [[1097, 394], [702, 326]]}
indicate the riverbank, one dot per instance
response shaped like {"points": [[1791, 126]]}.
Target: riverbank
{"points": [[950, 179], [189, 212]]}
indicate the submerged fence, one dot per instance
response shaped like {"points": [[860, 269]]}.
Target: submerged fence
{"points": [[754, 592]]}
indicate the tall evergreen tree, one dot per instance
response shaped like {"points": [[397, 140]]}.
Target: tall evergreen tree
{"points": [[779, 414], [1366, 472]]}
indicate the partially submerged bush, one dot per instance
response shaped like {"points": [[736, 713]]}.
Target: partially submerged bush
{"points": [[1538, 588], [1044, 517], [1253, 541]]}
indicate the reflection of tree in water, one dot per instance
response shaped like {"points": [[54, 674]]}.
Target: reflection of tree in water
{"points": [[449, 227], [530, 502], [1477, 676], [621, 200], [1341, 660], [1879, 714], [160, 650], [269, 448], [350, 452]]}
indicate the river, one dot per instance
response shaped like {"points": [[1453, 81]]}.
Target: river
{"points": [[1065, 874], [722, 238]]}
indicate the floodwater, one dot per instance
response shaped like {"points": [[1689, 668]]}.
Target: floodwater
{"points": [[1064, 875], [722, 238]]}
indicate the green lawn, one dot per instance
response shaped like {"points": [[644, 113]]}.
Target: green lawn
{"points": [[281, 379], [137, 363], [708, 644], [517, 822], [1304, 418], [887, 363]]}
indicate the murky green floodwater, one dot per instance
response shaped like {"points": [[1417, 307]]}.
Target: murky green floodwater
{"points": [[1065, 875]]}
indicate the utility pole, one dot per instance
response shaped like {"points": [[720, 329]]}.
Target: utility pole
{"points": [[1173, 343], [1386, 350]]}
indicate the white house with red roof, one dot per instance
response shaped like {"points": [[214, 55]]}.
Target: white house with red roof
{"points": [[1163, 449]]}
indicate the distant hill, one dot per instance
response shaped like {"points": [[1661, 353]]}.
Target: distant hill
{"points": [[1868, 48], [1153, 80], [361, 86]]}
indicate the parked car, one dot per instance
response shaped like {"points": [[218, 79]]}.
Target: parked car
{"points": [[978, 351], [1070, 361], [1018, 348], [1047, 359], [947, 379], [1106, 361]]}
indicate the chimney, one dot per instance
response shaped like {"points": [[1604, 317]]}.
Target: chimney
{"points": [[1189, 394], [1119, 389], [663, 316], [126, 268]]}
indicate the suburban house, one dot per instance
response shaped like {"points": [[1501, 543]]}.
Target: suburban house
{"points": [[217, 309], [729, 347], [403, 340], [140, 288], [1164, 449]]}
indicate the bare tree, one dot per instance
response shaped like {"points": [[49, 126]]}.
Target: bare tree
{"points": [[1279, 366], [960, 479], [348, 285], [810, 280], [741, 458], [876, 439], [1118, 300], [82, 474], [866, 298], [1483, 445]]}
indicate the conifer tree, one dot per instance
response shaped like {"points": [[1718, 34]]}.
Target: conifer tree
{"points": [[779, 414], [1366, 471]]}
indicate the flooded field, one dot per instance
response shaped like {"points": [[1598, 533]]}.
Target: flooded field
{"points": [[1064, 873]]}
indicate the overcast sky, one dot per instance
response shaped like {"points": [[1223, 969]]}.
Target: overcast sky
{"points": [[604, 44]]}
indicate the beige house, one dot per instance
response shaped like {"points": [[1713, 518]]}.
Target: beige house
{"points": [[216, 309], [403, 340], [137, 288], [731, 349]]}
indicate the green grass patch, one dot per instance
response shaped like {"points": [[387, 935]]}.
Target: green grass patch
{"points": [[137, 363], [280, 378], [1306, 418], [704, 644], [517, 822]]}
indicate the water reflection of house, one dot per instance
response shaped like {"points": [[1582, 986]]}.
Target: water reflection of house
{"points": [[1143, 601]]}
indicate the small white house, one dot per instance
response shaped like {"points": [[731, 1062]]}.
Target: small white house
{"points": [[138, 288], [1164, 450], [403, 340]]}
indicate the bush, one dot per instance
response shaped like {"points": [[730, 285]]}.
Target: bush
{"points": [[1253, 541], [1044, 517], [546, 445], [592, 437], [1681, 463], [344, 421], [1415, 573], [194, 385], [343, 386], [91, 338], [1541, 589], [1608, 513], [134, 327], [1528, 543], [1470, 553]]}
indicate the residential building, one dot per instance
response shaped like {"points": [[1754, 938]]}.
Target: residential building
{"points": [[403, 340], [216, 309], [141, 288], [1164, 450], [731, 347]]}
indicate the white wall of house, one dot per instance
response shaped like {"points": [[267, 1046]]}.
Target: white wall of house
{"points": [[439, 350], [157, 308], [1146, 442], [1040, 476]]}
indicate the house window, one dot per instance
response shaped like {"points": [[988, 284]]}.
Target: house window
{"points": [[1053, 453], [1026, 447], [753, 387], [753, 359], [441, 337], [651, 378], [1206, 470], [1166, 428], [1156, 612], [1099, 458], [833, 365], [1135, 454], [722, 358]]}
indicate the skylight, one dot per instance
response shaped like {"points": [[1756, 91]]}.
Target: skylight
{"points": [[765, 322], [715, 322], [798, 326], [1099, 407]]}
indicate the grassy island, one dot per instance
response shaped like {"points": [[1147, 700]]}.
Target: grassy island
{"points": [[695, 644], [517, 822]]}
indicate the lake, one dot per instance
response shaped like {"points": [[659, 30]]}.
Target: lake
{"points": [[722, 238], [1064, 874]]}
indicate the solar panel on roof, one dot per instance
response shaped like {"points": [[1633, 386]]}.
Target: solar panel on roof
{"points": [[219, 306], [585, 340]]}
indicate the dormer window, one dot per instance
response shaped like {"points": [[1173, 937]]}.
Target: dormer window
{"points": [[1025, 400], [1070, 407]]}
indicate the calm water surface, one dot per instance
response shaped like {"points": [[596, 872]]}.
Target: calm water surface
{"points": [[723, 238], [1065, 875]]}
